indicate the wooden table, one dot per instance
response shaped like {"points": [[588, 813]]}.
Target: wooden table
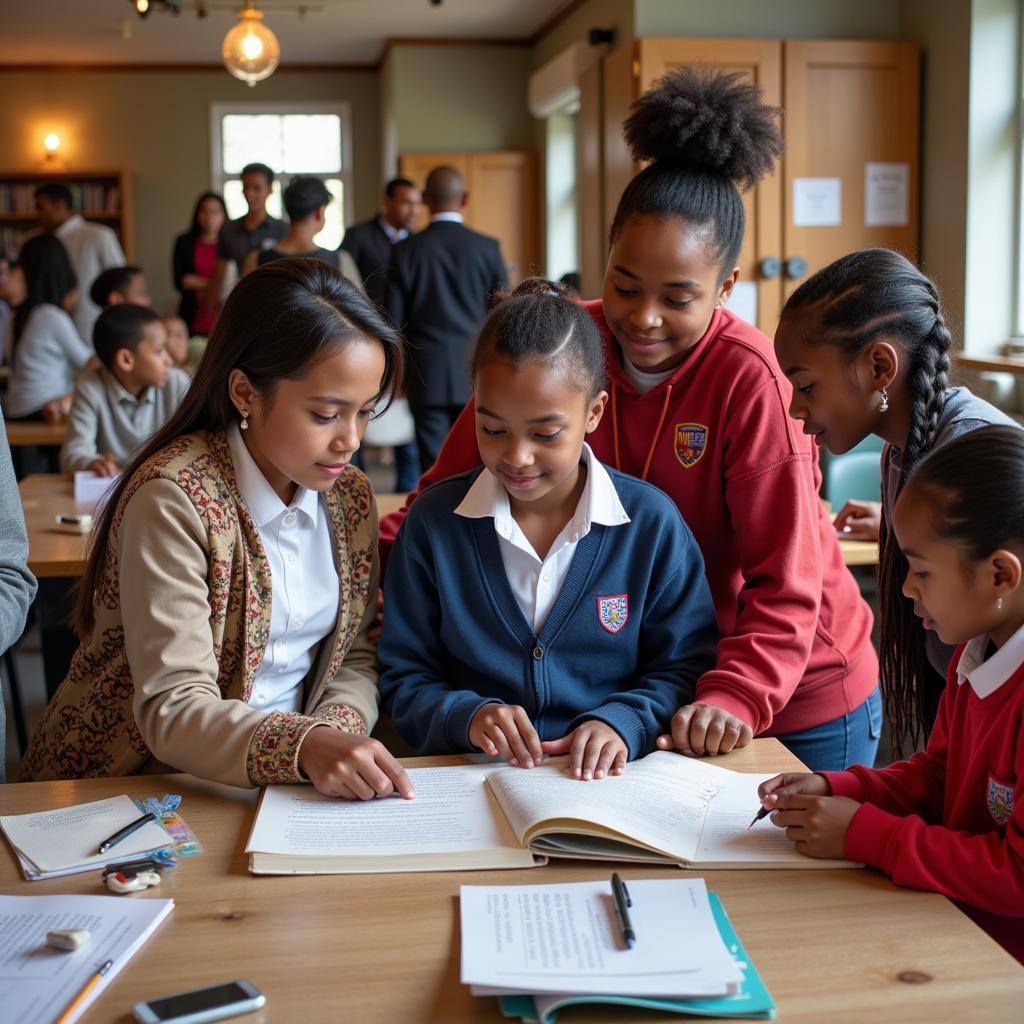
{"points": [[54, 553], [20, 432], [996, 364], [832, 946]]}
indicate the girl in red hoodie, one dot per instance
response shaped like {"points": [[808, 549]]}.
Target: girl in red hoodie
{"points": [[699, 408], [951, 819]]}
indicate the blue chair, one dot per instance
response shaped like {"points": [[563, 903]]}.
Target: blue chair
{"points": [[857, 474]]}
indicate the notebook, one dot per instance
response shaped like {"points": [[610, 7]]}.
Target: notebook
{"points": [[665, 809], [63, 841], [40, 982], [751, 1000]]}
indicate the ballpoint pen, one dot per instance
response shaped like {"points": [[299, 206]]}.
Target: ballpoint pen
{"points": [[124, 833], [621, 901], [762, 812]]}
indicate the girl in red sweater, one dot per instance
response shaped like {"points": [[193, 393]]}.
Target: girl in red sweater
{"points": [[698, 407], [951, 819]]}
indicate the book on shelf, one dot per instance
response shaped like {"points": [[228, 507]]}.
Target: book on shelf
{"points": [[665, 809]]}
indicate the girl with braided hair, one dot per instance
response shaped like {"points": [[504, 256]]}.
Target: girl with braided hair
{"points": [[697, 406], [866, 347]]}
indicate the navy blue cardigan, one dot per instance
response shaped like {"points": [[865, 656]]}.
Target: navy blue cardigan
{"points": [[454, 637]]}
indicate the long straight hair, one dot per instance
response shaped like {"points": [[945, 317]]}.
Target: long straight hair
{"points": [[49, 278], [276, 324]]}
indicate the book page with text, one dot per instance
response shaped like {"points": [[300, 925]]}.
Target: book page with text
{"points": [[661, 801]]}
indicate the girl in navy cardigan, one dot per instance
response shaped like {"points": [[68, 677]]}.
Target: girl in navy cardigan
{"points": [[544, 604]]}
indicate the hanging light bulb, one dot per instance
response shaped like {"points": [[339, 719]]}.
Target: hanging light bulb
{"points": [[250, 50]]}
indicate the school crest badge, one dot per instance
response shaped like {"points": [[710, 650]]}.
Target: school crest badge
{"points": [[612, 612], [691, 440], [1000, 801]]}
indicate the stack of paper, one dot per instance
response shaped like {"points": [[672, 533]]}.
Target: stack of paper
{"points": [[38, 982], [64, 841], [542, 947]]}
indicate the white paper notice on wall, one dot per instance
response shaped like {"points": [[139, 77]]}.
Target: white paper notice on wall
{"points": [[817, 202], [886, 195], [743, 301]]}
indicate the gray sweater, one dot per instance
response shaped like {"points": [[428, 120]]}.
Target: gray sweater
{"points": [[962, 413], [17, 584]]}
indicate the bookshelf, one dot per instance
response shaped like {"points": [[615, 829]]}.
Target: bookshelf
{"points": [[100, 196]]}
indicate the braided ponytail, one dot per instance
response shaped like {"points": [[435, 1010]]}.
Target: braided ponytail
{"points": [[856, 301]]}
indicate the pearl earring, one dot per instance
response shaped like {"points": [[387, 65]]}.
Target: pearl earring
{"points": [[999, 604], [244, 424], [884, 407]]}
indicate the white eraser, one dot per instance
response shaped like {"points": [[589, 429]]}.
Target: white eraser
{"points": [[68, 938]]}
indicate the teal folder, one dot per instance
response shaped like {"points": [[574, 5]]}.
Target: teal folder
{"points": [[751, 1001]]}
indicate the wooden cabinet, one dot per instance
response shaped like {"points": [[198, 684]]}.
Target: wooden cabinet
{"points": [[502, 199], [845, 105], [101, 196]]}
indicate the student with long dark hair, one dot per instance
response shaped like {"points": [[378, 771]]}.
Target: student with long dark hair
{"points": [[225, 609], [951, 819], [46, 351], [866, 347], [698, 407], [194, 263]]}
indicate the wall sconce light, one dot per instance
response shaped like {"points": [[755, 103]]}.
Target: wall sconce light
{"points": [[51, 143], [250, 50]]}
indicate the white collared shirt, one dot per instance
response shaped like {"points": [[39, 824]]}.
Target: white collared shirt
{"points": [[986, 675], [92, 248], [535, 582], [394, 234], [451, 215], [304, 604]]}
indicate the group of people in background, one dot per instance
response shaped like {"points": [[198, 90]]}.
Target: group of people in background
{"points": [[618, 545]]}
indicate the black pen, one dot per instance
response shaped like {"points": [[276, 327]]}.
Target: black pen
{"points": [[124, 833], [621, 900], [763, 812]]}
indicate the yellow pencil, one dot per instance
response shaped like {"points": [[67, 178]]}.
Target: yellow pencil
{"points": [[84, 994]]}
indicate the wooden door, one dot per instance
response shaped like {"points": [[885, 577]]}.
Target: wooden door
{"points": [[503, 203], [416, 167], [589, 184], [850, 105], [502, 199], [761, 60]]}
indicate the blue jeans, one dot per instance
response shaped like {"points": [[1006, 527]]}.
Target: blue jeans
{"points": [[849, 739]]}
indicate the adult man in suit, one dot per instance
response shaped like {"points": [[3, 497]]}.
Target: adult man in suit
{"points": [[369, 242], [439, 285]]}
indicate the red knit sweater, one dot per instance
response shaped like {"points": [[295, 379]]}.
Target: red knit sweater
{"points": [[717, 438], [951, 819]]}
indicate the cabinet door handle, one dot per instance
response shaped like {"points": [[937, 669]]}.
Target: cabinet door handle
{"points": [[796, 266], [769, 267]]}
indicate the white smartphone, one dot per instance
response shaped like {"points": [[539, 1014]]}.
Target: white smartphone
{"points": [[201, 1004]]}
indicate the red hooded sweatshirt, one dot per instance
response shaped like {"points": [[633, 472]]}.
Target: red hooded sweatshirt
{"points": [[795, 648]]}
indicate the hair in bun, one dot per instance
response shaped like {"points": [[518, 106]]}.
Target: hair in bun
{"points": [[540, 320], [709, 133], [700, 118]]}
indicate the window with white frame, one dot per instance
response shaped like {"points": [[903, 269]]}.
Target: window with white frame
{"points": [[292, 139]]}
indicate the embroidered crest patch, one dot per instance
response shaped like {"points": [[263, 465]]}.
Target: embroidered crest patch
{"points": [[690, 442], [1000, 801], [612, 612]]}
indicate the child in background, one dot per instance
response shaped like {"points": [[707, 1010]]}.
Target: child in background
{"points": [[866, 346], [544, 604], [951, 819], [698, 407], [120, 284], [119, 405], [232, 583], [46, 352], [177, 339]]}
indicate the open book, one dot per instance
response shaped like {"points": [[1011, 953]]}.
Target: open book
{"points": [[665, 809]]}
